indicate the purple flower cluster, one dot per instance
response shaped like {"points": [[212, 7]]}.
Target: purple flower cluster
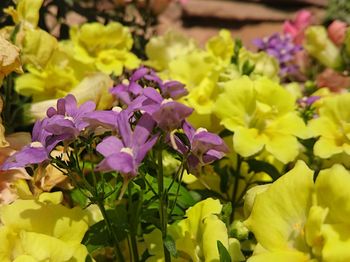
{"points": [[283, 49], [149, 110]]}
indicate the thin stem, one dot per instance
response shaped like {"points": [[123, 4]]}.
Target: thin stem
{"points": [[235, 187], [163, 204], [112, 233], [133, 226]]}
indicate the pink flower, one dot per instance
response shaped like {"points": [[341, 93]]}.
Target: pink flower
{"points": [[296, 27], [337, 31]]}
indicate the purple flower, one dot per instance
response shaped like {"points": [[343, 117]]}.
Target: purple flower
{"points": [[173, 89], [37, 152], [204, 147], [68, 119], [283, 49], [145, 77], [168, 114], [126, 153]]}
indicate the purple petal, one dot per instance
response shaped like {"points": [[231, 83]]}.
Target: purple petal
{"points": [[110, 145], [121, 162], [124, 128], [143, 149], [142, 130], [104, 118], [28, 155], [173, 89], [138, 74]]}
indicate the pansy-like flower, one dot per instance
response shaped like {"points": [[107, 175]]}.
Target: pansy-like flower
{"points": [[332, 126], [298, 220], [337, 32], [204, 148], [42, 230], [262, 115], [125, 154]]}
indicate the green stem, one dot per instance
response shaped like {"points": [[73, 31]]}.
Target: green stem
{"points": [[133, 226], [163, 204], [112, 233], [235, 187]]}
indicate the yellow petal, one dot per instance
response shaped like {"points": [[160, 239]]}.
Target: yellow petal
{"points": [[279, 214], [248, 142], [9, 58], [285, 256], [333, 193], [284, 147], [38, 47], [28, 11], [336, 243]]}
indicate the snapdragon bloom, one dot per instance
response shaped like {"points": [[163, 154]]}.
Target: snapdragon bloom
{"points": [[126, 153], [296, 27]]}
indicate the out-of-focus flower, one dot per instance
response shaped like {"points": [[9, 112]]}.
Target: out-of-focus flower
{"points": [[307, 226], [332, 126], [61, 74], [125, 155], [9, 59], [333, 80], [196, 236], [161, 50], [42, 230], [337, 31], [262, 115], [321, 47], [26, 12], [283, 49], [296, 27], [264, 64], [93, 87], [106, 46]]}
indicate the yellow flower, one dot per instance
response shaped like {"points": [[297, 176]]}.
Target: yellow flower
{"points": [[196, 236], [332, 126], [106, 46], [261, 114], [9, 59], [26, 12], [60, 75], [296, 219], [42, 230], [162, 49]]}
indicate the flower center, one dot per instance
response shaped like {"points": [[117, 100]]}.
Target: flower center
{"points": [[127, 150]]}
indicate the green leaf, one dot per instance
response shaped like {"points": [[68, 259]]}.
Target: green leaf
{"points": [[169, 243], [224, 254], [261, 166]]}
